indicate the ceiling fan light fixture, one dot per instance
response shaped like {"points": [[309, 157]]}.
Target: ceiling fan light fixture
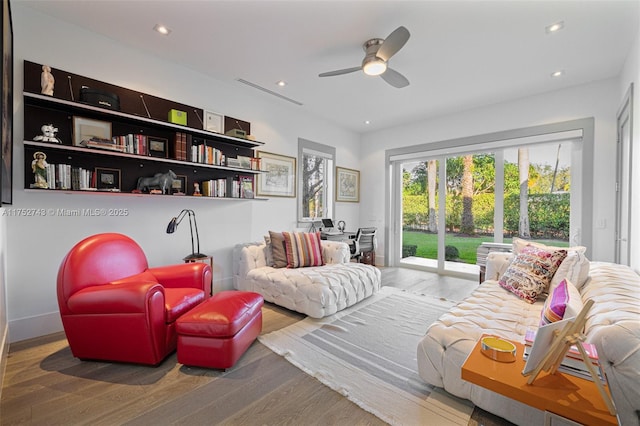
{"points": [[374, 66]]}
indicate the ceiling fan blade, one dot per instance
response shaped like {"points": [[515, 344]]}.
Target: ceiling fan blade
{"points": [[340, 72], [394, 78], [393, 43]]}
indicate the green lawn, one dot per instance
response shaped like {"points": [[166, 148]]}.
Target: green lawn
{"points": [[467, 246]]}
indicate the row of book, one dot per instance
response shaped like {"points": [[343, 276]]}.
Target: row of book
{"points": [[229, 187], [133, 143], [63, 176], [572, 363]]}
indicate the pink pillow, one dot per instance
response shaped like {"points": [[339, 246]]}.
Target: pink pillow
{"points": [[563, 302], [303, 249]]}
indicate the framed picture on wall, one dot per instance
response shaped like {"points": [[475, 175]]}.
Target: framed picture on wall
{"points": [[279, 175], [347, 185]]}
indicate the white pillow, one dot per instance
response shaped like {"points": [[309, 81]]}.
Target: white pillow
{"points": [[575, 267]]}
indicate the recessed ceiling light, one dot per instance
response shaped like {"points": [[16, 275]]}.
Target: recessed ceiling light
{"points": [[367, 122], [162, 29], [554, 28], [557, 73], [281, 83]]}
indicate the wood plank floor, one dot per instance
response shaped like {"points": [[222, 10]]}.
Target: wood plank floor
{"points": [[45, 385]]}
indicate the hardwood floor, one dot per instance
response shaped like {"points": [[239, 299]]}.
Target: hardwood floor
{"points": [[45, 385]]}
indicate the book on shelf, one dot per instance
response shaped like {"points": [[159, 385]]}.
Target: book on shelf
{"points": [[572, 363]]}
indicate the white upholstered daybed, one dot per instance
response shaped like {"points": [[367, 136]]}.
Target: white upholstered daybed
{"points": [[315, 291], [613, 325]]}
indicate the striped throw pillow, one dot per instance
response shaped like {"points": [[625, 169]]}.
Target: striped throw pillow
{"points": [[303, 249]]}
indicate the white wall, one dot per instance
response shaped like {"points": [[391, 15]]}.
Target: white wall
{"points": [[37, 244], [599, 100], [631, 74]]}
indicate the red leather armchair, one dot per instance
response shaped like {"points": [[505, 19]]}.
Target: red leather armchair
{"points": [[115, 308]]}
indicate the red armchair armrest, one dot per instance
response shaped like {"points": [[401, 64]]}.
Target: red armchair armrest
{"points": [[194, 275], [129, 297]]}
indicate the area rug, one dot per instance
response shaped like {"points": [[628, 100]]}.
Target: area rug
{"points": [[368, 354]]}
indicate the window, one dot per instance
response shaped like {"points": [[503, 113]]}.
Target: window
{"points": [[316, 179]]}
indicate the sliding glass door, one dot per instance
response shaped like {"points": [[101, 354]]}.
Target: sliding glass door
{"points": [[451, 204]]}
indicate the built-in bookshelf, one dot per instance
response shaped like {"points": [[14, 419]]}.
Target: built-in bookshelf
{"points": [[102, 150]]}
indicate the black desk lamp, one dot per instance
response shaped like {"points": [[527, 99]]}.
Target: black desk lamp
{"points": [[173, 224]]}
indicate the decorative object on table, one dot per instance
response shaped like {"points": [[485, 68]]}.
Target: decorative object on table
{"points": [[6, 89], [179, 186], [246, 186], [39, 168], [196, 189], [160, 181], [107, 179], [47, 81], [341, 225], [279, 179], [158, 147], [193, 225], [347, 185], [48, 134], [99, 98], [498, 349], [178, 117], [85, 129], [213, 122]]}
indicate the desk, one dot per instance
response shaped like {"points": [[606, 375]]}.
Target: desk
{"points": [[346, 237], [556, 394]]}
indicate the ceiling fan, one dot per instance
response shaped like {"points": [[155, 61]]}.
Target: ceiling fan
{"points": [[378, 52]]}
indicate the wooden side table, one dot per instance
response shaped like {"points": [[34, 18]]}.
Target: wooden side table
{"points": [[209, 260], [557, 394]]}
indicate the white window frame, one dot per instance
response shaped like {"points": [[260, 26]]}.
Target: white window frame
{"points": [[329, 153]]}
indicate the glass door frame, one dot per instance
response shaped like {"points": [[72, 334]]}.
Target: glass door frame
{"points": [[580, 129]]}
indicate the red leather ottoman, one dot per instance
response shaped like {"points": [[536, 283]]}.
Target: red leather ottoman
{"points": [[217, 332]]}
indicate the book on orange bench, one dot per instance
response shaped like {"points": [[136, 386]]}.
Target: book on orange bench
{"points": [[573, 352]]}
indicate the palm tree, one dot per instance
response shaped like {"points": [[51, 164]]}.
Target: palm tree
{"points": [[432, 171], [523, 172], [467, 226]]}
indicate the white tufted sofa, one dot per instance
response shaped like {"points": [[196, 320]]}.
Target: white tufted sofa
{"points": [[613, 325], [316, 291]]}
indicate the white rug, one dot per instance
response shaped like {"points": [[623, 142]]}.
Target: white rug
{"points": [[368, 354]]}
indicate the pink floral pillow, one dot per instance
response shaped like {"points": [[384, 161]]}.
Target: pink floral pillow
{"points": [[531, 271]]}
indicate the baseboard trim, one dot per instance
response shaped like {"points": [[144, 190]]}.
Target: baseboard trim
{"points": [[36, 326]]}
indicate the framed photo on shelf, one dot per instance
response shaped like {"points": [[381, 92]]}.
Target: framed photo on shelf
{"points": [[279, 175], [6, 108], [87, 128], [213, 122], [246, 186], [157, 147], [108, 179], [244, 162], [347, 185], [179, 185]]}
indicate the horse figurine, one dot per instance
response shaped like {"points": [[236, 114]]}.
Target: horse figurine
{"points": [[161, 181]]}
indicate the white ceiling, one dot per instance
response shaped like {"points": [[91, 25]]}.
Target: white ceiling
{"points": [[461, 54]]}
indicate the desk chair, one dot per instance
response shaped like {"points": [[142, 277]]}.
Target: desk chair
{"points": [[365, 246]]}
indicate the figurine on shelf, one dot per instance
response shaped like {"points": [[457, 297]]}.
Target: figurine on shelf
{"points": [[47, 81], [160, 183], [196, 189], [39, 168], [48, 134]]}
